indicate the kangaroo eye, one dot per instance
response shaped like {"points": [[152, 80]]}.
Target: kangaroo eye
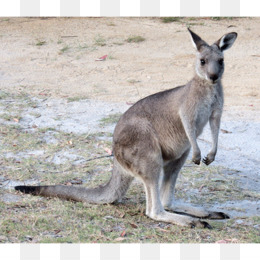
{"points": [[220, 61], [202, 62]]}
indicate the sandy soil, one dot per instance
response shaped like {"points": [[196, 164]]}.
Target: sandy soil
{"points": [[133, 70]]}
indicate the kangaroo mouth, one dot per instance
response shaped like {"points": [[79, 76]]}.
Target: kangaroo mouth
{"points": [[212, 81]]}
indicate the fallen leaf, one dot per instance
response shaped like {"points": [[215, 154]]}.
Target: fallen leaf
{"points": [[133, 225], [232, 240], [122, 234], [16, 120], [122, 215], [225, 131], [227, 240], [43, 94], [163, 230], [109, 151], [201, 187], [102, 58], [221, 241]]}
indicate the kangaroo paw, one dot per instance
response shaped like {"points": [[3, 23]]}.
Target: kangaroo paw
{"points": [[207, 161]]}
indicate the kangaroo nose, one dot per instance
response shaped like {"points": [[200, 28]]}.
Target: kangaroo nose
{"points": [[213, 77]]}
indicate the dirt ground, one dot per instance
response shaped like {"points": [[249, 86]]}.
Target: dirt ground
{"points": [[57, 57], [55, 96]]}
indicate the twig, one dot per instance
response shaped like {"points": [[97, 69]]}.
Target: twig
{"points": [[69, 36]]}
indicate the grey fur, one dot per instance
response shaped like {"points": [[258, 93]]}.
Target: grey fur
{"points": [[153, 138]]}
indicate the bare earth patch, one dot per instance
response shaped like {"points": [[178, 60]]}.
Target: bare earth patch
{"points": [[58, 108]]}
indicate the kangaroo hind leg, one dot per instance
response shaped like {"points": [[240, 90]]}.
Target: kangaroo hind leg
{"points": [[167, 190], [139, 152], [154, 207]]}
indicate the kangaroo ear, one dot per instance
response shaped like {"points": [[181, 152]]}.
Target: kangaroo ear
{"points": [[196, 40], [226, 41]]}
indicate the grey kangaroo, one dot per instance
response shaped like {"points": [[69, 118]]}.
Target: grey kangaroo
{"points": [[153, 138]]}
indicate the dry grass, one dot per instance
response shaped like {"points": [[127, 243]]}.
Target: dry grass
{"points": [[26, 155]]}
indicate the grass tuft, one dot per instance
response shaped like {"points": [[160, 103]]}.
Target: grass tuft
{"points": [[76, 99], [170, 19], [64, 49], [40, 43], [135, 39], [100, 41]]}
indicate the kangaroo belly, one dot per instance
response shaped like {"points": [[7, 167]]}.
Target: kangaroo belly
{"points": [[174, 142]]}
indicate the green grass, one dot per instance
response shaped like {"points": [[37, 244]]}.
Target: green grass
{"points": [[76, 99], [9, 117], [99, 41], [187, 21], [64, 49], [213, 185], [110, 57], [135, 39], [43, 220], [3, 95], [171, 19], [119, 43], [110, 119], [83, 46], [220, 18], [40, 43], [111, 24]]}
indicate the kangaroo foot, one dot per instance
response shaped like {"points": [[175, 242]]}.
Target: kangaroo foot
{"points": [[198, 212], [180, 220]]}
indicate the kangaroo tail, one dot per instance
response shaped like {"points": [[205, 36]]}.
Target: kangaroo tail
{"points": [[108, 193]]}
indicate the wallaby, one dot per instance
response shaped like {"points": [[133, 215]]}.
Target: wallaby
{"points": [[153, 138]]}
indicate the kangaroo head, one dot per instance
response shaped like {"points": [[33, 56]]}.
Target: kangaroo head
{"points": [[210, 58]]}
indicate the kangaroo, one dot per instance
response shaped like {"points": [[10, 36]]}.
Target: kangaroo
{"points": [[153, 138]]}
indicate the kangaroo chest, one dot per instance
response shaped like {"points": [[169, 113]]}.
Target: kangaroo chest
{"points": [[205, 109]]}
